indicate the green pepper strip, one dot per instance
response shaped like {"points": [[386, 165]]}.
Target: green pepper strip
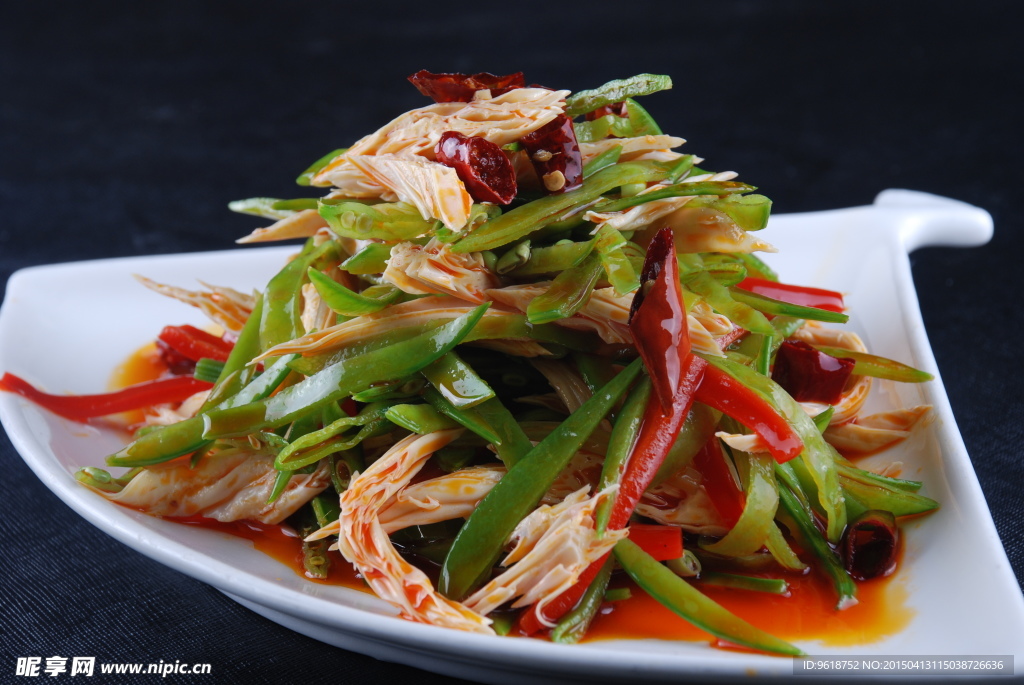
{"points": [[387, 221], [187, 436], [775, 307], [865, 491], [306, 449], [757, 268], [419, 418], [879, 367], [780, 550], [575, 624], [567, 293], [372, 259], [403, 389], [282, 299], [553, 259], [773, 586], [677, 190], [615, 91], [762, 500], [617, 267], [306, 177], [480, 541], [811, 538], [818, 456], [721, 299], [457, 381], [342, 380], [532, 216], [620, 444], [259, 206], [347, 303], [602, 160], [682, 598], [698, 428]]}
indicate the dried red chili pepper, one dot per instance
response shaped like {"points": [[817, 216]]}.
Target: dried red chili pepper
{"points": [[810, 375], [555, 155], [480, 164], [870, 544], [617, 109], [455, 87], [657, 317]]}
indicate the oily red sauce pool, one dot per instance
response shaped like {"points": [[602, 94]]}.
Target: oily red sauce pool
{"points": [[807, 614]]}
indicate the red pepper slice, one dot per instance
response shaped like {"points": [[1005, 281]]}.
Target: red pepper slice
{"points": [[810, 375], [455, 87], [555, 155], [721, 391], [194, 343], [481, 166], [718, 482], [661, 542], [82, 407], [795, 294]]}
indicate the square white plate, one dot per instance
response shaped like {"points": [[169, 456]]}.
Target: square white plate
{"points": [[861, 251]]}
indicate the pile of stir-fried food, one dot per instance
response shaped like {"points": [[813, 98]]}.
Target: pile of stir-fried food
{"points": [[525, 346]]}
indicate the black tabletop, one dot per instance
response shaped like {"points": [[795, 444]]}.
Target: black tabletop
{"points": [[125, 128]]}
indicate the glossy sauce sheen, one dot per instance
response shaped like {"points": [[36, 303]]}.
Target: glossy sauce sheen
{"points": [[807, 614]]}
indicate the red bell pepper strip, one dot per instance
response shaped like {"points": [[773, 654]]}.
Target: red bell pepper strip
{"points": [[718, 482], [795, 294], [82, 407], [194, 343], [661, 542], [721, 391]]}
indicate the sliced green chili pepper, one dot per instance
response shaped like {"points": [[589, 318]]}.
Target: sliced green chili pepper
{"points": [[553, 259], [617, 267], [372, 259], [749, 212], [282, 298], [419, 418], [261, 207], [721, 299], [457, 381], [347, 303], [780, 308], [306, 177], [567, 293], [878, 367], [186, 436], [479, 542], [615, 91], [602, 160], [762, 499], [524, 220], [395, 221], [575, 624], [811, 538], [683, 599], [342, 379], [773, 586]]}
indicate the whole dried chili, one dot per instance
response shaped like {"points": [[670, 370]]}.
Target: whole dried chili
{"points": [[870, 544], [480, 164], [455, 87], [810, 375], [555, 155]]}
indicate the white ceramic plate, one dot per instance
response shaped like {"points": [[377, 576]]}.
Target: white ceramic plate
{"points": [[861, 251]]}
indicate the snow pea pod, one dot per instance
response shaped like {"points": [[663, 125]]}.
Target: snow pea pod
{"points": [[342, 379], [676, 190], [878, 367], [553, 259], [683, 599], [575, 624], [480, 541], [306, 177], [457, 381], [419, 418]]}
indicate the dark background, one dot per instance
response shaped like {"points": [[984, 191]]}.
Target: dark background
{"points": [[126, 127]]}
